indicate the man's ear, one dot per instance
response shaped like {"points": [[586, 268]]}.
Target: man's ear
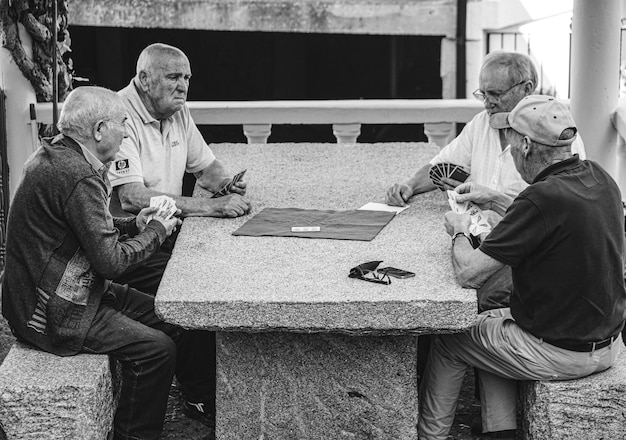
{"points": [[143, 78], [527, 146], [97, 130], [529, 87]]}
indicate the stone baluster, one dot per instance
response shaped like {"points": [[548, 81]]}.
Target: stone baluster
{"points": [[257, 133], [346, 133], [438, 132]]}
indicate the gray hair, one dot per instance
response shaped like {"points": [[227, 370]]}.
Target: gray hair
{"points": [[545, 153], [84, 107], [519, 66], [155, 52]]}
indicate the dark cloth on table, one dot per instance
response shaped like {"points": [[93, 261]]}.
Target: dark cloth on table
{"points": [[361, 225]]}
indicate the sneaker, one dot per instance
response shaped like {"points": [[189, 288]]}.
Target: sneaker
{"points": [[200, 411]]}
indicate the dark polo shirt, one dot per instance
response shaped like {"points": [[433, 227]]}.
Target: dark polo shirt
{"points": [[563, 237]]}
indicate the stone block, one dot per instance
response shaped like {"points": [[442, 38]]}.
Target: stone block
{"points": [[46, 397], [591, 408], [291, 386]]}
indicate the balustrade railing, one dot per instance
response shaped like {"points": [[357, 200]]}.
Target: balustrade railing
{"points": [[345, 116]]}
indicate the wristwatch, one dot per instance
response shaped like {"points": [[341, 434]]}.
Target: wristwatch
{"points": [[463, 234]]}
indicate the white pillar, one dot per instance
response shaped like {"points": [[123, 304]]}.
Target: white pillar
{"points": [[595, 76], [19, 95]]}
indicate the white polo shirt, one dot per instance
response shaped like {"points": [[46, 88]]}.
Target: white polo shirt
{"points": [[158, 156], [477, 149]]}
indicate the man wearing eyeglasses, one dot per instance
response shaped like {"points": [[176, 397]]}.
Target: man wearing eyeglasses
{"points": [[505, 79]]}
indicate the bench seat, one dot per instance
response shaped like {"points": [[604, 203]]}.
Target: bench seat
{"points": [[592, 408], [45, 397]]}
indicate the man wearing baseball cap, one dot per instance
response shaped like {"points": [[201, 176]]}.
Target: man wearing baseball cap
{"points": [[558, 235]]}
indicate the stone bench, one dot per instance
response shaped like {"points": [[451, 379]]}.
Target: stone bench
{"points": [[592, 408], [45, 397]]}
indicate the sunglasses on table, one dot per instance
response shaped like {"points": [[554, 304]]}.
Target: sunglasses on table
{"points": [[367, 272]]}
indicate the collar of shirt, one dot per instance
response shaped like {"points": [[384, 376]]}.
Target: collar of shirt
{"points": [[556, 168], [97, 165]]}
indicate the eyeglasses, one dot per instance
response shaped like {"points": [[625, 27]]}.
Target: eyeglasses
{"points": [[367, 272], [495, 96]]}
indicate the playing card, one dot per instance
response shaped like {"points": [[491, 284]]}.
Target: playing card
{"points": [[478, 221], [226, 188], [459, 174], [236, 178], [442, 170], [435, 175], [165, 205]]}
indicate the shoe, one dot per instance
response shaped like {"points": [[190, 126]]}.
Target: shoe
{"points": [[509, 434], [200, 411]]}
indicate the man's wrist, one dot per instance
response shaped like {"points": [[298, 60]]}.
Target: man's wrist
{"points": [[462, 234]]}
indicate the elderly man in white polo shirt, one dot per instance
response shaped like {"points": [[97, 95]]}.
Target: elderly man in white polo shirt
{"points": [[163, 143]]}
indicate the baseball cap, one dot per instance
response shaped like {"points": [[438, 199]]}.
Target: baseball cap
{"points": [[542, 118]]}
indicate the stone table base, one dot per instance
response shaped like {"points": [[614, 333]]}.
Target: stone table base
{"points": [[282, 385]]}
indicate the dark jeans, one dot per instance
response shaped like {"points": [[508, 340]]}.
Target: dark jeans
{"points": [[150, 352]]}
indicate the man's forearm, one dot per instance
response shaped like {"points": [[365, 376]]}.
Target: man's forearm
{"points": [[500, 203], [421, 182], [212, 176], [472, 267]]}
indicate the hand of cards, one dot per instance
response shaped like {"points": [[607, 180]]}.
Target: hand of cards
{"points": [[448, 171], [478, 221], [167, 207], [226, 188]]}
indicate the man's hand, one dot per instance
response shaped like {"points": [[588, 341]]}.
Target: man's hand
{"points": [[142, 217], [477, 194], [399, 194], [170, 224], [231, 205], [450, 184], [239, 188], [456, 222]]}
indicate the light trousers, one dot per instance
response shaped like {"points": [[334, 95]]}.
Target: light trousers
{"points": [[504, 353]]}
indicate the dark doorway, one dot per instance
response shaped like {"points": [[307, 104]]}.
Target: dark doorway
{"points": [[233, 66]]}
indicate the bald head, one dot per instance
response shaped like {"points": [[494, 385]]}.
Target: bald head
{"points": [[162, 80], [152, 56], [86, 106]]}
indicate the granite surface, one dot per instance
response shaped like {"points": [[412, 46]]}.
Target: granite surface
{"points": [[286, 386], [219, 281], [46, 397], [591, 408]]}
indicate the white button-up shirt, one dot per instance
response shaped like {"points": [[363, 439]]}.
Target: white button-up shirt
{"points": [[478, 150]]}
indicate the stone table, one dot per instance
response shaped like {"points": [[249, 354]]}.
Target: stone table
{"points": [[303, 351]]}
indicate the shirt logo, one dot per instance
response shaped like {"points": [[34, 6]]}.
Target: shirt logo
{"points": [[174, 144], [121, 166]]}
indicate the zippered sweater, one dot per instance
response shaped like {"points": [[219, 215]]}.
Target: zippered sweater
{"points": [[63, 246]]}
